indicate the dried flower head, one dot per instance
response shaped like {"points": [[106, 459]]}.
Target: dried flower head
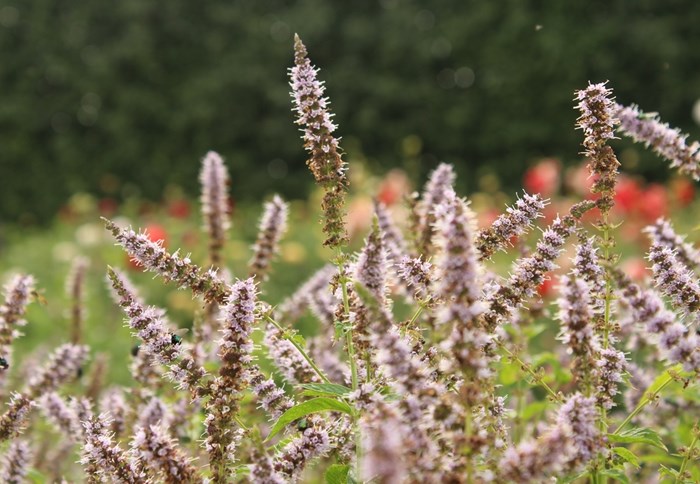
{"points": [[597, 120]]}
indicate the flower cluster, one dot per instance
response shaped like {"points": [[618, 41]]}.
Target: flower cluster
{"points": [[215, 209], [272, 226]]}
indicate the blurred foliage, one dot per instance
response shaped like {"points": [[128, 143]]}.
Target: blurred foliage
{"points": [[107, 98]]}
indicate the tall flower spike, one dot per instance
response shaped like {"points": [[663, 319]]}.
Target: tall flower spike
{"points": [[293, 458], [667, 142], [171, 267], [214, 181], [458, 272], [287, 358], [588, 268], [662, 233], [272, 226], [416, 274], [611, 364], [438, 185], [13, 420], [383, 435], [578, 414], [157, 450], [235, 351], [393, 239], [597, 120], [325, 161], [514, 223], [75, 288], [371, 265]]}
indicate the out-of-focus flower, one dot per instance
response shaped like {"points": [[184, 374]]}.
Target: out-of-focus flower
{"points": [[654, 203], [543, 178]]}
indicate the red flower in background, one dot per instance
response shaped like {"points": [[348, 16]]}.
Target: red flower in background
{"points": [[179, 208], [682, 190], [654, 203], [543, 178], [628, 195]]}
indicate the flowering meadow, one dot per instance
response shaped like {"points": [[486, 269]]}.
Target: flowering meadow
{"points": [[555, 340]]}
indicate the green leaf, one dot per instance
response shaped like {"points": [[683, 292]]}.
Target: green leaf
{"points": [[36, 477], [638, 436], [299, 339], [337, 474], [321, 389], [617, 474], [315, 405], [535, 408], [510, 374], [627, 455]]}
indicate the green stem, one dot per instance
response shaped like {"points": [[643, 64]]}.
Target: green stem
{"points": [[529, 370], [688, 453], [640, 406], [299, 348]]}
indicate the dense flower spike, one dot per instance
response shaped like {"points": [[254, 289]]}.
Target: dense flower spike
{"points": [[667, 142], [417, 275], [576, 316], [515, 222], [393, 239], [535, 461], [597, 120], [325, 161], [149, 326], [235, 351], [578, 414], [675, 279], [293, 458], [262, 468], [273, 224], [17, 294], [63, 365], [587, 267], [677, 343], [62, 415], [437, 187], [371, 265], [13, 420], [610, 367], [171, 267], [108, 459], [531, 271], [314, 294], [458, 278], [271, 398], [287, 358], [215, 209], [662, 234], [383, 435], [16, 462], [157, 450]]}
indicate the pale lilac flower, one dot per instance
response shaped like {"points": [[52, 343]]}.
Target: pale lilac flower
{"points": [[159, 452], [262, 468], [325, 161], [576, 316], [436, 189], [515, 222], [536, 460], [370, 269], [588, 268], [293, 458], [675, 279], [17, 294], [215, 210], [273, 224], [271, 398], [171, 267], [662, 234], [290, 363], [597, 120], [578, 414], [458, 275], [63, 366], [13, 420], [114, 404], [383, 444], [315, 294], [16, 462], [678, 344], [667, 142], [392, 237], [108, 459], [417, 275], [611, 364], [62, 415]]}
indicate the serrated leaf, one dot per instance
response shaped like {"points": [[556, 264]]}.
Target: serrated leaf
{"points": [[337, 474], [616, 474], [638, 436], [325, 389], [299, 339], [315, 405], [627, 455]]}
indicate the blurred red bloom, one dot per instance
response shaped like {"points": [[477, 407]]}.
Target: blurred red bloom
{"points": [[628, 195], [543, 178], [154, 232], [654, 203], [179, 208]]}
